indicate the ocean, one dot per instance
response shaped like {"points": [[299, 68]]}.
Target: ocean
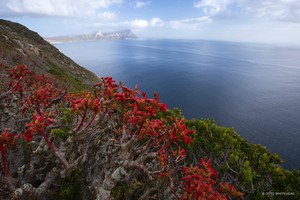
{"points": [[254, 88]]}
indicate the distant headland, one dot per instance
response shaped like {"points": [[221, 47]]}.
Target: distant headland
{"points": [[116, 35]]}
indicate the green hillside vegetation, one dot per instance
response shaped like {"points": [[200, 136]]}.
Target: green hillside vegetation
{"points": [[251, 168], [18, 44]]}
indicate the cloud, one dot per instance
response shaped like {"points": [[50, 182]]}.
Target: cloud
{"points": [[190, 23], [281, 10], [137, 23], [106, 16], [212, 7], [141, 4], [211, 3], [64, 8], [278, 10], [154, 23], [157, 22]]}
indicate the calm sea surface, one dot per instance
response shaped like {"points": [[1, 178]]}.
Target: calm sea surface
{"points": [[252, 87]]}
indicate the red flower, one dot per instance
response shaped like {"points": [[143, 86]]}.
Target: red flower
{"points": [[7, 139], [18, 76], [183, 131], [180, 154], [19, 71], [120, 97], [198, 182], [37, 124]]}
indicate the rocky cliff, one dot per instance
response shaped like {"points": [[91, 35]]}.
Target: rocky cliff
{"points": [[18, 44]]}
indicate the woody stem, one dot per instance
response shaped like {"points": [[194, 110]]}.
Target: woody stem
{"points": [[57, 154], [91, 121], [82, 120], [4, 163], [122, 114], [140, 127]]}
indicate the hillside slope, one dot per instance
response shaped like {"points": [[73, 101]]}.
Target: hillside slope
{"points": [[18, 44]]}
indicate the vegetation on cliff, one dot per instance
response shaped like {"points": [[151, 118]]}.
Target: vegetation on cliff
{"points": [[18, 44], [251, 168], [116, 143], [110, 142]]}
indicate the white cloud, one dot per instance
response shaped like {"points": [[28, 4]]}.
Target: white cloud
{"points": [[137, 23], [106, 16], [66, 8], [211, 3], [141, 4], [190, 23], [157, 22], [212, 7], [282, 10]]}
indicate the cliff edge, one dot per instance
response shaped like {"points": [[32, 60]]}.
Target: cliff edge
{"points": [[18, 44]]}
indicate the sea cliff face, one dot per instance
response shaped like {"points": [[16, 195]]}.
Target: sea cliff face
{"points": [[18, 44]]}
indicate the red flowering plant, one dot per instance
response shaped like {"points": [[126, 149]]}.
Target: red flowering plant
{"points": [[37, 93], [40, 96], [87, 105], [83, 103], [105, 91], [17, 80], [200, 182], [38, 124], [116, 136], [152, 137], [7, 139], [19, 76]]}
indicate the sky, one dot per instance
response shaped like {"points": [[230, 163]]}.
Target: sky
{"points": [[262, 21]]}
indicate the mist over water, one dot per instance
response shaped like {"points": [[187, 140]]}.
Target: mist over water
{"points": [[252, 87]]}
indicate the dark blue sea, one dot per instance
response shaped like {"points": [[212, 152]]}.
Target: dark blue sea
{"points": [[254, 88]]}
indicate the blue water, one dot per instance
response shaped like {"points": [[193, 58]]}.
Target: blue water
{"points": [[254, 88]]}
